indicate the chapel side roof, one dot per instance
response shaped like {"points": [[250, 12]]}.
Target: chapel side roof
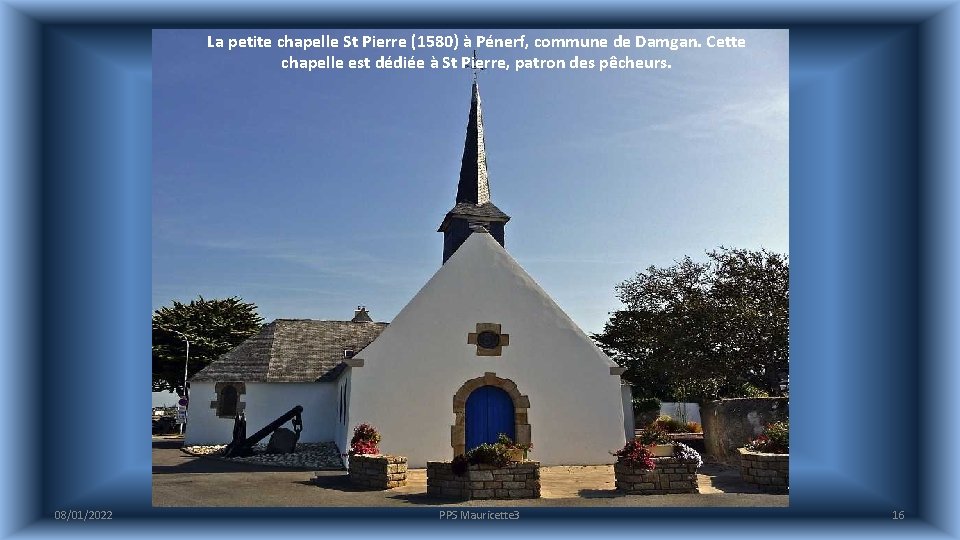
{"points": [[292, 350]]}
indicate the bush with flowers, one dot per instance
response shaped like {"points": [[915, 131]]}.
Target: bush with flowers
{"points": [[671, 425], [506, 441], [635, 454], [653, 435], [687, 454], [365, 440], [774, 440]]}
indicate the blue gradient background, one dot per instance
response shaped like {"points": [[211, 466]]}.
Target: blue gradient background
{"points": [[874, 237]]}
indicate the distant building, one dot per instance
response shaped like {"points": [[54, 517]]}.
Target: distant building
{"points": [[480, 350]]}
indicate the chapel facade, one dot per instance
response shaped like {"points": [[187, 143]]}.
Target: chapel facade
{"points": [[480, 350]]}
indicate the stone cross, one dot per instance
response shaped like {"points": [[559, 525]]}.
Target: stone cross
{"points": [[488, 339]]}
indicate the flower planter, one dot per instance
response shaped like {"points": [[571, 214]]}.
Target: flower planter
{"points": [[515, 481], [515, 454], [669, 475], [662, 450], [769, 472], [378, 471]]}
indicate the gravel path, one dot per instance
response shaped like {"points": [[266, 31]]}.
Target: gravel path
{"points": [[313, 456]]}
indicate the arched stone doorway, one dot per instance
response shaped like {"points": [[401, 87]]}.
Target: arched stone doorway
{"points": [[489, 412], [521, 404]]}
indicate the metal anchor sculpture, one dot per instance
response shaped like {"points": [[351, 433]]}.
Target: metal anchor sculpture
{"points": [[242, 445]]}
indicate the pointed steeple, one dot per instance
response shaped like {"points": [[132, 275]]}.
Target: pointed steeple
{"points": [[474, 186], [473, 209]]}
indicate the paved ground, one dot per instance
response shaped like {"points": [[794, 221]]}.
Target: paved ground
{"points": [[182, 480]]}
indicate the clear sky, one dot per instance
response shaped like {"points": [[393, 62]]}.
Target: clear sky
{"points": [[309, 193]]}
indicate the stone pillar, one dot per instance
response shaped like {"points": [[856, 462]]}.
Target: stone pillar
{"points": [[378, 471], [769, 472], [670, 475]]}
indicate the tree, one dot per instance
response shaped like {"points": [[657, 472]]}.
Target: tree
{"points": [[699, 330], [213, 327]]}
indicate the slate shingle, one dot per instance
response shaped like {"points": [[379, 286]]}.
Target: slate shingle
{"points": [[292, 350]]}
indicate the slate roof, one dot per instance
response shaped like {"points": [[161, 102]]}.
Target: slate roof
{"points": [[473, 189], [488, 211], [292, 350], [474, 185]]}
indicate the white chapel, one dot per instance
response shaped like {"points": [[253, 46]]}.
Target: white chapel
{"points": [[480, 350]]}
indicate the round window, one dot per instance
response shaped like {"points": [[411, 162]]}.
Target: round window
{"points": [[488, 340]]}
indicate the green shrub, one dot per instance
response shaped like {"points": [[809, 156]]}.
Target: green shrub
{"points": [[750, 391], [490, 454], [670, 425], [653, 436], [775, 440], [646, 405]]}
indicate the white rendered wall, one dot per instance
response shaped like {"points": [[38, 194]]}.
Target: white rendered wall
{"points": [[203, 426], [340, 436], [264, 403], [413, 369], [629, 430]]}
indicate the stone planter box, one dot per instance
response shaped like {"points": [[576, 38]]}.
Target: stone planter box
{"points": [[669, 475], [769, 472], [662, 450], [519, 480], [378, 471]]}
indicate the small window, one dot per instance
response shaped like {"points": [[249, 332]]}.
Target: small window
{"points": [[228, 401], [229, 395], [348, 353], [488, 339]]}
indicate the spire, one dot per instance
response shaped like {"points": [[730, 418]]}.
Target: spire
{"points": [[473, 209], [474, 186]]}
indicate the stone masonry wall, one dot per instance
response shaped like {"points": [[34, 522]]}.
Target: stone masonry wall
{"points": [[520, 480], [769, 472], [378, 471], [729, 424], [669, 475]]}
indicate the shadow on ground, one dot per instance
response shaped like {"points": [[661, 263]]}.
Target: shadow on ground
{"points": [[599, 493], [207, 465], [182, 462], [422, 498], [336, 480], [726, 479], [340, 481]]}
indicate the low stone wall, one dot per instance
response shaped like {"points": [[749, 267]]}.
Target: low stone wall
{"points": [[520, 480], [729, 424], [670, 475], [769, 472], [378, 471]]}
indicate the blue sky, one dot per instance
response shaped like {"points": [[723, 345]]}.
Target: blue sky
{"points": [[311, 193]]}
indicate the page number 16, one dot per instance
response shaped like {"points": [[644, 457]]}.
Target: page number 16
{"points": [[898, 514]]}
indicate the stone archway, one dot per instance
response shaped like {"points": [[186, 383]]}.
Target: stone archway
{"points": [[520, 405]]}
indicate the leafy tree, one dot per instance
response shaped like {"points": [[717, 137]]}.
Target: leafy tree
{"points": [[213, 327], [698, 330]]}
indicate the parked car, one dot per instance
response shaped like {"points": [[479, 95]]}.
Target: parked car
{"points": [[164, 424]]}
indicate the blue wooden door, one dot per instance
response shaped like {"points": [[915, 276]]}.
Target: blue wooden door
{"points": [[489, 412]]}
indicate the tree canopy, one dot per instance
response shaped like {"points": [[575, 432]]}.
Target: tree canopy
{"points": [[701, 330], [213, 327]]}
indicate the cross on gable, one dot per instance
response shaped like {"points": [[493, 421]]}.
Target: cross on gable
{"points": [[488, 339]]}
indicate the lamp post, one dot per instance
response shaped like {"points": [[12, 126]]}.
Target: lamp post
{"points": [[186, 364]]}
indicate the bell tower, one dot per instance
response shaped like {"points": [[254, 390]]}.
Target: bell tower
{"points": [[473, 208]]}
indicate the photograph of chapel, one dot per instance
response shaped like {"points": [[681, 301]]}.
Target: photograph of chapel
{"points": [[480, 350], [415, 284]]}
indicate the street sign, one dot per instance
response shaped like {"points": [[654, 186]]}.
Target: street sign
{"points": [[181, 415], [182, 402]]}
